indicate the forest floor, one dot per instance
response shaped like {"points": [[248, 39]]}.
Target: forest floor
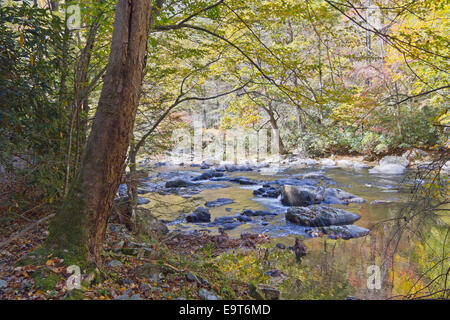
{"points": [[174, 266]]}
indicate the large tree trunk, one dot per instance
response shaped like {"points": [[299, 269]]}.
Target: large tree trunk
{"points": [[80, 224]]}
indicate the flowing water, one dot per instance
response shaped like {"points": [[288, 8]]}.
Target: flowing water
{"points": [[400, 262]]}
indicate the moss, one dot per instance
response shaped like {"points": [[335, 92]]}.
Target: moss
{"points": [[68, 230], [45, 280], [255, 292], [75, 294]]}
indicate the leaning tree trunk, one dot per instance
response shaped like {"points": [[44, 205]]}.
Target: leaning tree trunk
{"points": [[80, 225]]}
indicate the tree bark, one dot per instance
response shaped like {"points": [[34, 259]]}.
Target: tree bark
{"points": [[80, 225]]}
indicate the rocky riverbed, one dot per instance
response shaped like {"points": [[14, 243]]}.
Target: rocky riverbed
{"points": [[327, 198]]}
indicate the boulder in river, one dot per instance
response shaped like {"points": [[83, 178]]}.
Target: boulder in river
{"points": [[208, 175], [218, 202], [199, 215], [320, 216], [312, 175], [142, 201], [338, 196], [390, 165], [256, 213], [226, 223], [243, 180], [344, 232], [299, 196], [267, 191], [179, 183]]}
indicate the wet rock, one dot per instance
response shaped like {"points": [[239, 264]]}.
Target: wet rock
{"points": [[312, 175], [199, 215], [224, 220], [381, 202], [179, 183], [267, 192], [294, 182], [243, 180], [344, 232], [319, 216], [225, 223], [243, 218], [208, 175], [142, 201], [207, 295], [256, 213], [229, 226], [299, 196], [218, 202], [338, 196]]}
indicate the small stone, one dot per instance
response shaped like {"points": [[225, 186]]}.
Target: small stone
{"points": [[207, 295], [192, 278], [3, 284], [114, 264], [280, 246]]}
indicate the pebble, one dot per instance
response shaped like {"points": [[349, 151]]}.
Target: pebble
{"points": [[207, 295]]}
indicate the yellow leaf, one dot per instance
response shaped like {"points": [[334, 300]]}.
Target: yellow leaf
{"points": [[50, 262], [32, 60], [22, 40]]}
